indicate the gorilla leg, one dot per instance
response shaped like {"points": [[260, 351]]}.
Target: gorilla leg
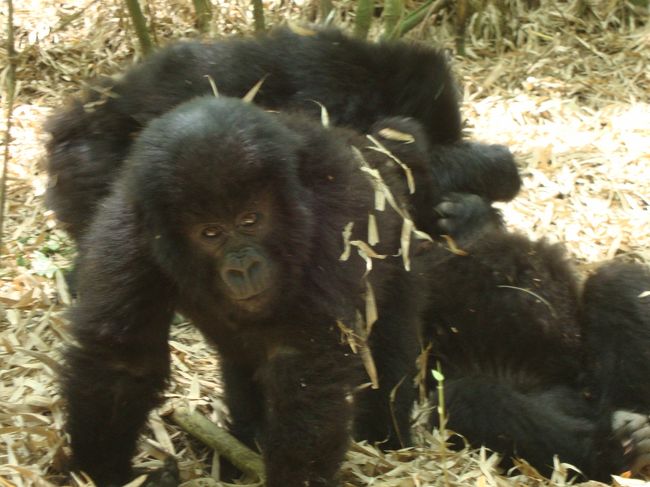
{"points": [[466, 216], [109, 399], [308, 416], [534, 425], [384, 414], [474, 167], [616, 323], [242, 396], [86, 151]]}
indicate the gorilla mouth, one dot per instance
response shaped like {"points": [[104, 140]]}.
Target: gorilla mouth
{"points": [[253, 296], [255, 302]]}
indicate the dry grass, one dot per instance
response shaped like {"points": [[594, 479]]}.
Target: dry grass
{"points": [[569, 91]]}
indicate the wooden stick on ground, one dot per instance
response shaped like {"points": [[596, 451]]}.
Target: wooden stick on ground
{"points": [[220, 440]]}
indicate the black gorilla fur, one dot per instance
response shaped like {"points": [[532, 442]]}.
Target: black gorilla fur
{"points": [[515, 371], [358, 82], [273, 193], [534, 365], [234, 217]]}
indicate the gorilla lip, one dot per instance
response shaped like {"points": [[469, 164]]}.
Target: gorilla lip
{"points": [[254, 301]]}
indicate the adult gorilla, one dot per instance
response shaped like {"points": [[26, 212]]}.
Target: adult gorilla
{"points": [[356, 81]]}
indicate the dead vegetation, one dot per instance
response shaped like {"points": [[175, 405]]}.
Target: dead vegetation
{"points": [[566, 85]]}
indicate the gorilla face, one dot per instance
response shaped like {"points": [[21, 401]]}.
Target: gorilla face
{"points": [[244, 270], [217, 189]]}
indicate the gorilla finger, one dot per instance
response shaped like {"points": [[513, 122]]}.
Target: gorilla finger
{"points": [[447, 208], [642, 435], [640, 463], [447, 225], [624, 423]]}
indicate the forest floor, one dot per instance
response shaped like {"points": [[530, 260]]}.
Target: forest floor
{"points": [[566, 86]]}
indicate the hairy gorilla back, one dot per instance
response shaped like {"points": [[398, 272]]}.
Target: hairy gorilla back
{"points": [[357, 82]]}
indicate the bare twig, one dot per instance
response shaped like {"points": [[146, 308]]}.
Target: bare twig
{"points": [[220, 440]]}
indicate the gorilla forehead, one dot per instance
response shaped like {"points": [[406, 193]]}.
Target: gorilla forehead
{"points": [[213, 151]]}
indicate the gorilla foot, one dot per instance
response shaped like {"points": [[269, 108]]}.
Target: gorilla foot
{"points": [[633, 430], [465, 215]]}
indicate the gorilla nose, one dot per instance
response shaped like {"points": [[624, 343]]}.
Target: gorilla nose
{"points": [[246, 274]]}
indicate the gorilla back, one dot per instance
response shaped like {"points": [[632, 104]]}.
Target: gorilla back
{"points": [[235, 217], [358, 82]]}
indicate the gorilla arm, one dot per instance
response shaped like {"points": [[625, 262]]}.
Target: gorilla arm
{"points": [[114, 374]]}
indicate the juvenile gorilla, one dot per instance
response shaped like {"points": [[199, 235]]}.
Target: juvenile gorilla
{"points": [[534, 366], [234, 217], [356, 81]]}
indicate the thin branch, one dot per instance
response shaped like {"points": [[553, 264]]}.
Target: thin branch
{"points": [[10, 94], [220, 440]]}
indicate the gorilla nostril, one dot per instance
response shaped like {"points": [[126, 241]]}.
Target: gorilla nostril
{"points": [[235, 276], [254, 270]]}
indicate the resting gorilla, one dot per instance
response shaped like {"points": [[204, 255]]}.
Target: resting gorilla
{"points": [[358, 82], [534, 366], [234, 216]]}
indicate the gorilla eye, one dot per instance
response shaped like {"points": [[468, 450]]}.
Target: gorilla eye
{"points": [[249, 219], [211, 232]]}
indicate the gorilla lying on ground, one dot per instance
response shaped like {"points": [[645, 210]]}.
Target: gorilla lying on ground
{"points": [[240, 219], [356, 81], [536, 366]]}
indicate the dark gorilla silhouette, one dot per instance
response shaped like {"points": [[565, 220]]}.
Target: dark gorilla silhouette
{"points": [[235, 217], [357, 82], [536, 365]]}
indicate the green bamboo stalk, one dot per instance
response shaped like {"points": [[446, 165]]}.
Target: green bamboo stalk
{"points": [[418, 15], [10, 91], [326, 7], [203, 9], [258, 15], [364, 16], [140, 26], [462, 13], [393, 12]]}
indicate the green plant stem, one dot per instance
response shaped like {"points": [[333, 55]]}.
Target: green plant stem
{"points": [[140, 26], [363, 18]]}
